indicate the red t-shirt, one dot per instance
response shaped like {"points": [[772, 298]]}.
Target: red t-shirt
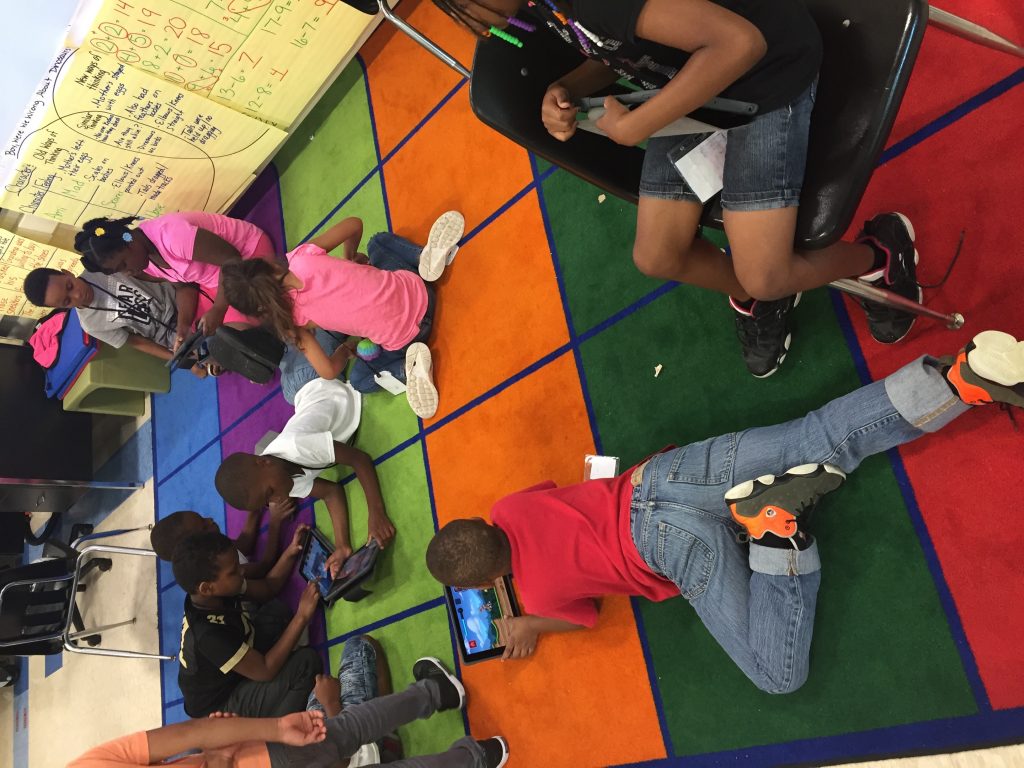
{"points": [[573, 544]]}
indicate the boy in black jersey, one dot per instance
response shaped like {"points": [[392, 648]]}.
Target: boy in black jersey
{"points": [[763, 51], [231, 660]]}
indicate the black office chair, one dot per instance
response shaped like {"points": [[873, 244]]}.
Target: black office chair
{"points": [[38, 612], [870, 47]]}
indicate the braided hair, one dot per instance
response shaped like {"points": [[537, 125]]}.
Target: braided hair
{"points": [[458, 12], [99, 239]]}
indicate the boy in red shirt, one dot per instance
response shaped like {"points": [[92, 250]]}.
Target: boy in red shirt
{"points": [[674, 524]]}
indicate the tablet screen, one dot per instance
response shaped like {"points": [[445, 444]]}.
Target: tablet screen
{"points": [[476, 613], [314, 565]]}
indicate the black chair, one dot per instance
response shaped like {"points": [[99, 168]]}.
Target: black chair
{"points": [[870, 47], [38, 612]]}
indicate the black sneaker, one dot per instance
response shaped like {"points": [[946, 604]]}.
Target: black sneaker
{"points": [[453, 695], [771, 505], [495, 751], [893, 235], [763, 331]]}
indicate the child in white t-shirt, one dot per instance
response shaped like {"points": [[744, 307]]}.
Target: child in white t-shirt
{"points": [[326, 415]]}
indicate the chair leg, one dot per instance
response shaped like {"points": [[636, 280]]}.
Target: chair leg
{"points": [[422, 39], [97, 630], [871, 293], [973, 32]]}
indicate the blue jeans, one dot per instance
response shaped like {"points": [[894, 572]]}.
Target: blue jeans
{"points": [[759, 602], [764, 161], [296, 370], [394, 254]]}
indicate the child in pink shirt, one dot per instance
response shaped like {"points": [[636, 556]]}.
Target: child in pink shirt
{"points": [[186, 247], [379, 297]]}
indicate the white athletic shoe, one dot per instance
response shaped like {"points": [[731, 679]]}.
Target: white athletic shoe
{"points": [[442, 242], [419, 381]]}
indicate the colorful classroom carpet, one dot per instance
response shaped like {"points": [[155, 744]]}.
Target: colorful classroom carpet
{"points": [[545, 346]]}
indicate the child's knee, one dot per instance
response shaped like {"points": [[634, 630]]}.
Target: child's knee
{"points": [[769, 684], [760, 281], [657, 260]]}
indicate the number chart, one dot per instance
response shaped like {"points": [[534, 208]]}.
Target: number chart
{"points": [[18, 257], [108, 140], [263, 58]]}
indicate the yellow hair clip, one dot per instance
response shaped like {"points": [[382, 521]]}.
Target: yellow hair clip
{"points": [[100, 232]]}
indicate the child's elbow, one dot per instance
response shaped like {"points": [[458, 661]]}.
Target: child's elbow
{"points": [[752, 45]]}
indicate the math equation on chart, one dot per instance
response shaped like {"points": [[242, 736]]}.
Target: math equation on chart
{"points": [[264, 58]]}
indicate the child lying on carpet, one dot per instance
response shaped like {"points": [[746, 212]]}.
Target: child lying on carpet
{"points": [[152, 317], [231, 660], [271, 571], [326, 415], [182, 248], [767, 53], [309, 739], [670, 525], [379, 297]]}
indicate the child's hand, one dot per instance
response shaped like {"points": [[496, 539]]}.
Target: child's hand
{"points": [[294, 549], [520, 637], [614, 123], [337, 560], [360, 258], [558, 113], [308, 602], [282, 510], [301, 728], [218, 715], [198, 370], [381, 529]]}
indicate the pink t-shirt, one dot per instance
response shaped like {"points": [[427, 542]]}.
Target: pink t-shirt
{"points": [[357, 299], [174, 235], [133, 750]]}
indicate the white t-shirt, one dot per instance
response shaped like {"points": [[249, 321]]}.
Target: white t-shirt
{"points": [[326, 411]]}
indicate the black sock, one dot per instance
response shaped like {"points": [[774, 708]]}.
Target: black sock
{"points": [[746, 304], [944, 370], [881, 257]]}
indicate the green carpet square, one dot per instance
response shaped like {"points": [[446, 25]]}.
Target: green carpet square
{"points": [[424, 634], [401, 579], [882, 652], [329, 153], [594, 243]]}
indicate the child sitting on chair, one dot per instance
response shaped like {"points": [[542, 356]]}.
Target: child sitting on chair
{"points": [[231, 660], [326, 415], [380, 298], [185, 247], [118, 309], [767, 53], [271, 570]]}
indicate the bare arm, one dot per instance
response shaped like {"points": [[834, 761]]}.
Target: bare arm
{"points": [[379, 525], [297, 729], [347, 232], [326, 366], [723, 46], [262, 590], [186, 299], [261, 668], [521, 633], [333, 497], [588, 77], [148, 346]]}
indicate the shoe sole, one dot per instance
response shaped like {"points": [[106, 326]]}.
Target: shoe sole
{"points": [[504, 750], [420, 390], [743, 490], [445, 233], [451, 678], [998, 357], [785, 345]]}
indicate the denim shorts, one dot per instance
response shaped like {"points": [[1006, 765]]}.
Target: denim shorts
{"points": [[764, 161]]}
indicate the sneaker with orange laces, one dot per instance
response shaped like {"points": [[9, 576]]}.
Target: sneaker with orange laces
{"points": [[990, 369]]}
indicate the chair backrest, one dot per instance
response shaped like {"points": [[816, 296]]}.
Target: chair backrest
{"points": [[870, 47], [35, 601]]}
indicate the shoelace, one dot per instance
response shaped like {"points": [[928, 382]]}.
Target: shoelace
{"points": [[760, 332]]}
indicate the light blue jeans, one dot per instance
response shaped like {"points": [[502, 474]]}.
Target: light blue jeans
{"points": [[758, 602], [394, 254], [296, 370]]}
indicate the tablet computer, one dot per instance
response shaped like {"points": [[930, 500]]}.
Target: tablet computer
{"points": [[357, 569], [474, 614]]}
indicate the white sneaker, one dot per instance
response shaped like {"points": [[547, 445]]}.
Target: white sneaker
{"points": [[445, 234], [419, 381]]}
